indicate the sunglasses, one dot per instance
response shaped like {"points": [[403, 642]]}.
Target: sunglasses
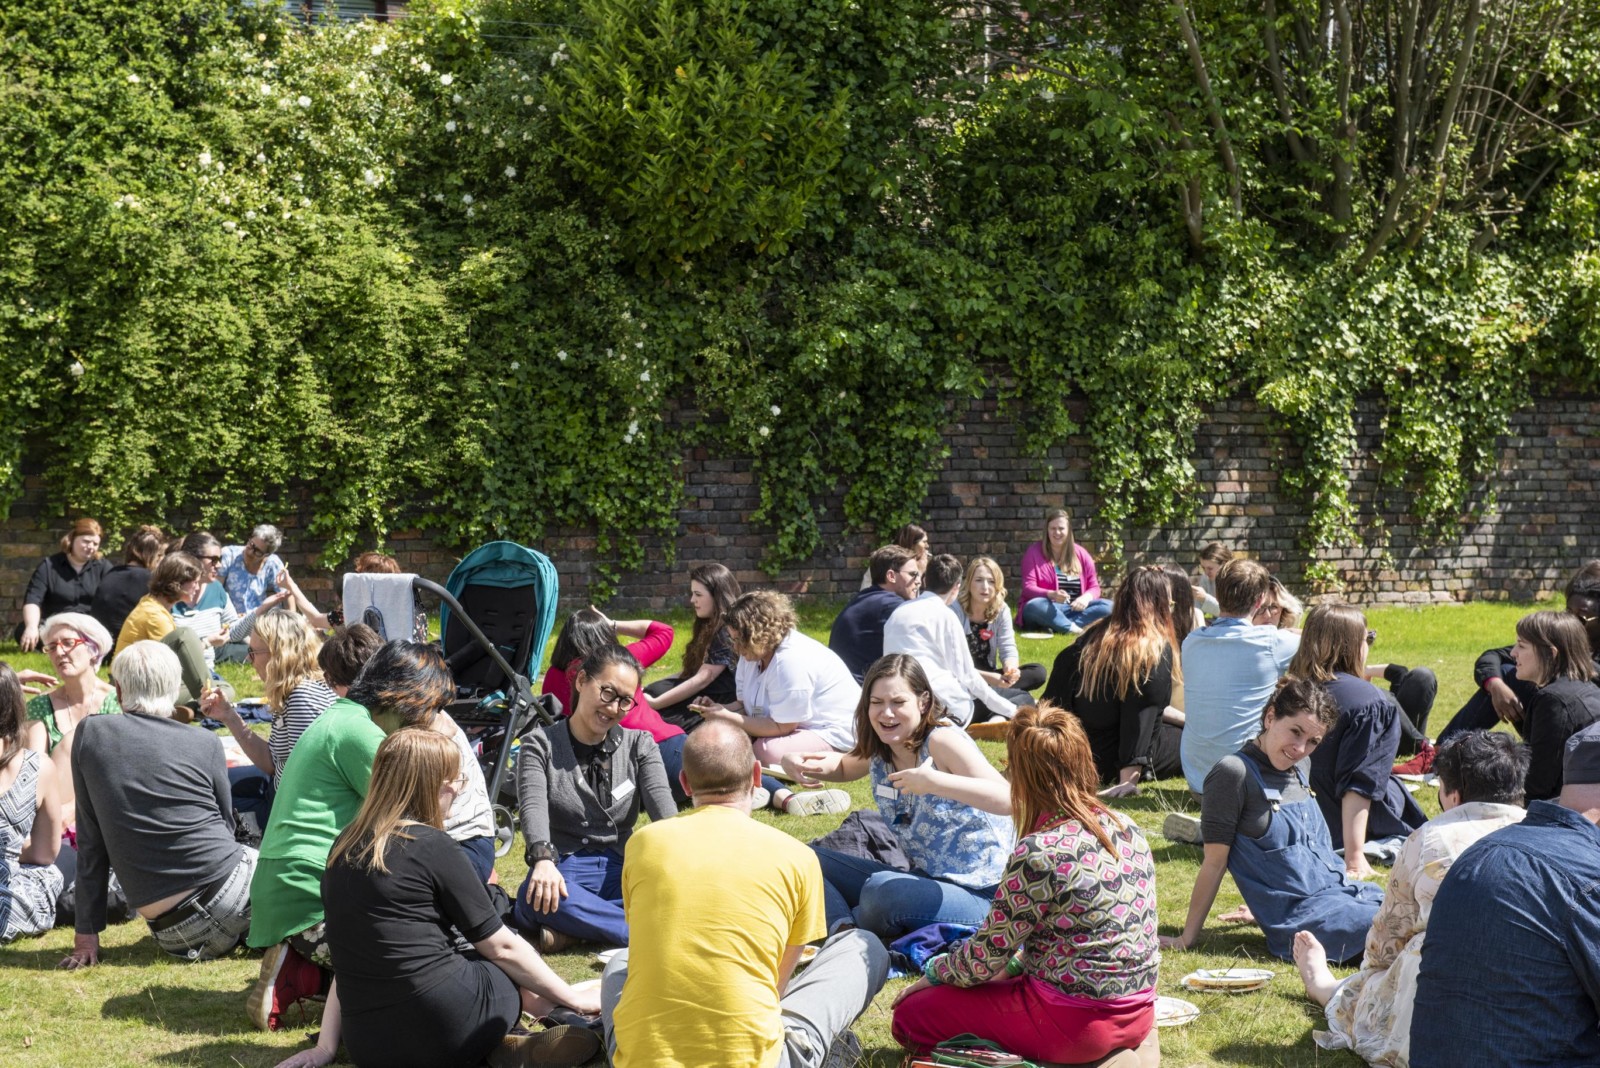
{"points": [[615, 698], [1372, 637], [211, 559], [64, 645], [254, 549]]}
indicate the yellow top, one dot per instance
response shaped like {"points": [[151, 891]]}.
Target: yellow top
{"points": [[148, 620], [713, 898]]}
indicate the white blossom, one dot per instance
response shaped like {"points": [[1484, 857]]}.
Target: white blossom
{"points": [[379, 49], [466, 198], [471, 212], [77, 369], [370, 176], [638, 344], [455, 98], [261, 157], [205, 159], [446, 79], [303, 100], [608, 352], [229, 225], [644, 376], [266, 90], [305, 202], [765, 431], [511, 172], [515, 364], [527, 101], [541, 107], [776, 411], [450, 127], [561, 354], [250, 215], [133, 79], [427, 68]]}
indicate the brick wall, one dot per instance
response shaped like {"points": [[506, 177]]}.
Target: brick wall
{"points": [[992, 495]]}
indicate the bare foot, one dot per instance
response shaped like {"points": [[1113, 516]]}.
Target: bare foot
{"points": [[1242, 914], [1312, 960]]}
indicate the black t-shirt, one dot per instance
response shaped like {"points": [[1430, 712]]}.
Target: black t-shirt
{"points": [[390, 932], [56, 587], [1121, 730], [119, 590]]}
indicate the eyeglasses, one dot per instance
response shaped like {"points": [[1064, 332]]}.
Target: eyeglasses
{"points": [[257, 550], [615, 698], [212, 559], [252, 653], [64, 645], [1372, 636]]}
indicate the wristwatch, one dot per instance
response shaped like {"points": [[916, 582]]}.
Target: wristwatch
{"points": [[542, 851]]}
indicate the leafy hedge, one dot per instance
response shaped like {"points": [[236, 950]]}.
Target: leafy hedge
{"points": [[462, 267]]}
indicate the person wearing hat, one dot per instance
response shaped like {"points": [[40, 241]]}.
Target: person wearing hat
{"points": [[1510, 972], [63, 582]]}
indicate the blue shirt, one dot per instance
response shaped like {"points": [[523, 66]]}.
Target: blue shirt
{"points": [[246, 590], [1510, 971], [1230, 669], [857, 635]]}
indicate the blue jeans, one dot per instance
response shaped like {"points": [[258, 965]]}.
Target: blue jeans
{"points": [[592, 909], [1042, 613], [890, 902], [672, 762]]}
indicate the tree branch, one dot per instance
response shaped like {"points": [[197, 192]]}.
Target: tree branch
{"points": [[1203, 79]]}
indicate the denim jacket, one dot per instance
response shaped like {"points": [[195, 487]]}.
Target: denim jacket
{"points": [[1511, 966]]}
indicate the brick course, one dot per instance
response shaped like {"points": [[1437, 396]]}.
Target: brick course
{"points": [[991, 496]]}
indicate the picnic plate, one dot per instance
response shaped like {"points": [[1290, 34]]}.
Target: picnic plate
{"points": [[808, 954], [1175, 1012], [605, 955], [1228, 980]]}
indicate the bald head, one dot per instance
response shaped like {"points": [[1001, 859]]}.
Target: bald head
{"points": [[718, 762]]}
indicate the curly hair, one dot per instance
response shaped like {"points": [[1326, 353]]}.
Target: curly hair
{"points": [[292, 647], [760, 620]]}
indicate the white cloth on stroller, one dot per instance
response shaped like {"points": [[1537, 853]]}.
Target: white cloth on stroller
{"points": [[381, 601]]}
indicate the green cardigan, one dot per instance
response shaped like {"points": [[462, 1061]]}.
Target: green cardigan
{"points": [[323, 785]]}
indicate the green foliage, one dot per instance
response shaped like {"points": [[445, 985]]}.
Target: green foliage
{"points": [[464, 268]]}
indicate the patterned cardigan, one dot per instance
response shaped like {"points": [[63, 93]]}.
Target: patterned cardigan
{"points": [[1072, 915]]}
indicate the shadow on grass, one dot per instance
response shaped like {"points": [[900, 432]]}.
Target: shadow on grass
{"points": [[1243, 1051], [186, 1010], [48, 958], [228, 1051]]}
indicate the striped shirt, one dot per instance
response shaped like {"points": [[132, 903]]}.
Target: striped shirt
{"points": [[306, 702]]}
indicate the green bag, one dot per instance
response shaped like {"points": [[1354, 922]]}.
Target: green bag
{"points": [[970, 1051]]}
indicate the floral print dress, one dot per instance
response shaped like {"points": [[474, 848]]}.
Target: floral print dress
{"points": [[1370, 1012]]}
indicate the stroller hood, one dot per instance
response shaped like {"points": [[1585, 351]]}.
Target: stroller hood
{"points": [[510, 591]]}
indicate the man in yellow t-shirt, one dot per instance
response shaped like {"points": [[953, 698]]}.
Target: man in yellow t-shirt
{"points": [[720, 907]]}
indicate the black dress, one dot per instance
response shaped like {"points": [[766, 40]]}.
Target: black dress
{"points": [[407, 998], [1123, 731]]}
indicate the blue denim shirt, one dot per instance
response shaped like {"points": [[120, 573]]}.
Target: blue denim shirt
{"points": [[1511, 965], [1230, 668]]}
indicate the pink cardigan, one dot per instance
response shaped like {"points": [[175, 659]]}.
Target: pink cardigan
{"points": [[1039, 575], [641, 717]]}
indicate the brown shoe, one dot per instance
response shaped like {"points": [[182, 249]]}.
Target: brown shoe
{"points": [[993, 730], [548, 941], [556, 1047]]}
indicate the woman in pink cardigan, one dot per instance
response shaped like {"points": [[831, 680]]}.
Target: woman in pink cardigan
{"points": [[1060, 589]]}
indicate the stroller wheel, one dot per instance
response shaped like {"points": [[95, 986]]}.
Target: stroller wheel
{"points": [[505, 828]]}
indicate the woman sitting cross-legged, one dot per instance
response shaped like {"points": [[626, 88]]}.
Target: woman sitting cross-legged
{"points": [[581, 784], [794, 696], [1480, 790], [1352, 772], [396, 890], [1118, 680], [1064, 966], [1260, 824], [709, 661], [945, 803], [1060, 590], [77, 644]]}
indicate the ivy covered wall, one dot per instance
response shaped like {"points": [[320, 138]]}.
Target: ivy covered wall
{"points": [[464, 269]]}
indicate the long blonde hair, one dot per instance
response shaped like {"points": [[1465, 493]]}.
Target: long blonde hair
{"points": [[292, 647], [407, 772], [1120, 654], [1069, 552], [997, 603]]}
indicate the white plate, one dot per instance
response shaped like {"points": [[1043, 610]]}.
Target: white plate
{"points": [[1188, 984], [605, 955], [1175, 1012], [1227, 979]]}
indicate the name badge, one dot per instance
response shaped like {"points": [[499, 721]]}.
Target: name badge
{"points": [[622, 791], [887, 792]]}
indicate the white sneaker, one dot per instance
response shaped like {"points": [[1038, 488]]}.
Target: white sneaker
{"points": [[818, 803], [760, 798]]}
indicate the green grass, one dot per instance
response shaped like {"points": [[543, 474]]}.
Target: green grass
{"points": [[140, 1008]]}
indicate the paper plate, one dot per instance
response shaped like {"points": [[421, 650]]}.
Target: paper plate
{"points": [[1227, 979], [605, 955], [808, 954], [1175, 1012]]}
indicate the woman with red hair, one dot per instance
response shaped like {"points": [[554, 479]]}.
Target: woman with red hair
{"points": [[1064, 967]]}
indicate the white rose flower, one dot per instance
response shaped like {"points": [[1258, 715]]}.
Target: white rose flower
{"points": [[205, 159], [229, 225], [133, 79], [515, 364], [266, 90], [471, 212], [466, 198], [305, 202], [446, 79], [511, 172], [450, 127], [261, 157], [303, 100], [370, 177], [638, 344], [427, 68], [527, 101], [77, 369], [250, 215], [765, 431], [541, 107], [644, 376], [379, 49], [455, 98], [776, 411]]}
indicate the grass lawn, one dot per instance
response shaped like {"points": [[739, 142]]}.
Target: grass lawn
{"points": [[140, 1008]]}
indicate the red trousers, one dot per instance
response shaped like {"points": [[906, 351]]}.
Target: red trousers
{"points": [[1027, 1017]]}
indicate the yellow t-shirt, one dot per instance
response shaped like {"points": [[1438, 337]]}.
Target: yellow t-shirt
{"points": [[713, 898], [148, 620]]}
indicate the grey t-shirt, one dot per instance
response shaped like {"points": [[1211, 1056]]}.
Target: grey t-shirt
{"points": [[1234, 802], [154, 804]]}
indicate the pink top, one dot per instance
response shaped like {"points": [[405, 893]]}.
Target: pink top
{"points": [[641, 717], [1039, 575]]}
